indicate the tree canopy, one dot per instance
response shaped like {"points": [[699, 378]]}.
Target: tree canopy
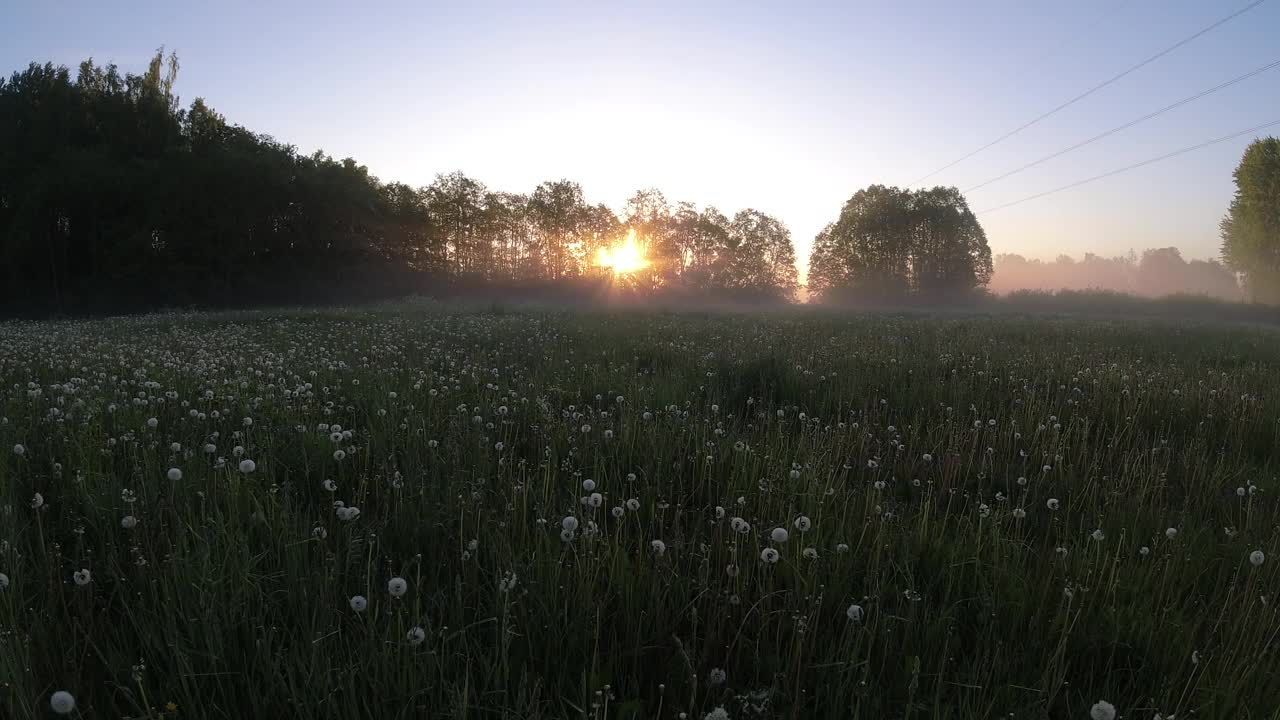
{"points": [[112, 193], [1251, 229], [891, 243]]}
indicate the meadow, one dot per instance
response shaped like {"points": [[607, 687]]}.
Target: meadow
{"points": [[418, 511]]}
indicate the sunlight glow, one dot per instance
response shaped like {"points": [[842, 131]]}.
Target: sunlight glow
{"points": [[625, 257]]}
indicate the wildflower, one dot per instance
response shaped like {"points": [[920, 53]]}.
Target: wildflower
{"points": [[795, 474], [618, 511], [358, 603], [879, 485], [1144, 551], [809, 553], [1051, 503], [508, 582], [569, 523], [779, 535], [1171, 533], [128, 522], [37, 501], [633, 504], [4, 581], [658, 547], [1102, 710], [718, 714], [717, 676], [210, 448], [855, 613], [247, 466], [339, 455], [740, 526], [319, 532], [82, 577], [397, 586], [330, 485], [719, 512], [1019, 513], [803, 523], [588, 484], [769, 555], [1257, 557], [566, 535], [842, 548], [174, 474], [20, 451], [731, 570], [595, 500], [416, 635], [152, 423], [1098, 535], [62, 702]]}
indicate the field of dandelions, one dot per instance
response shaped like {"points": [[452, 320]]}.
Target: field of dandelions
{"points": [[417, 512]]}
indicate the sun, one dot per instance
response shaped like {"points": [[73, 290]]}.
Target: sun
{"points": [[626, 257]]}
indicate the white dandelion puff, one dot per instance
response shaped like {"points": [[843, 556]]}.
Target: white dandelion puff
{"points": [[358, 603], [416, 635], [1257, 557], [82, 577], [1102, 710], [397, 587], [769, 555], [854, 613], [62, 702], [779, 535], [248, 466]]}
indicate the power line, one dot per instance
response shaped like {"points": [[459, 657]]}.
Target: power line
{"points": [[1131, 123], [1095, 88], [1134, 166]]}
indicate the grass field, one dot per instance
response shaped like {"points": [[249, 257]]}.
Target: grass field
{"points": [[417, 512]]}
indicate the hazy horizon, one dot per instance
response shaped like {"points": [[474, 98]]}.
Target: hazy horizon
{"points": [[786, 111]]}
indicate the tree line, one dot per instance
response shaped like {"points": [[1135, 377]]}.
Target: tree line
{"points": [[1157, 272], [111, 192]]}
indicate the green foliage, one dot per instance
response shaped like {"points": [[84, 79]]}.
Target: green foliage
{"points": [[890, 243], [923, 450], [1251, 229]]}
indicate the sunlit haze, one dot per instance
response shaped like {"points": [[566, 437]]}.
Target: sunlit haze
{"points": [[784, 107]]}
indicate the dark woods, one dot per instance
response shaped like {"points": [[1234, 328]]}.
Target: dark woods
{"points": [[113, 197]]}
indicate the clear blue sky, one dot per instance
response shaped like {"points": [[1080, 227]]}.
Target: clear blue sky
{"points": [[785, 107]]}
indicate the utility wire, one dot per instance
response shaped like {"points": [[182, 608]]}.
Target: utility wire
{"points": [[1131, 123], [1095, 88], [1134, 166]]}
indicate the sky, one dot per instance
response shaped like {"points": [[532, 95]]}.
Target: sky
{"points": [[788, 108]]}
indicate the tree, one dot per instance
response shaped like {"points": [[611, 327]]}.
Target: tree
{"points": [[890, 243], [1251, 228], [762, 260]]}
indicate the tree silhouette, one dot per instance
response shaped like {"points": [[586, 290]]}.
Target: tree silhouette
{"points": [[891, 243]]}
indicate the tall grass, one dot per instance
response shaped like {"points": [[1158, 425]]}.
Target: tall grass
{"points": [[924, 452]]}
